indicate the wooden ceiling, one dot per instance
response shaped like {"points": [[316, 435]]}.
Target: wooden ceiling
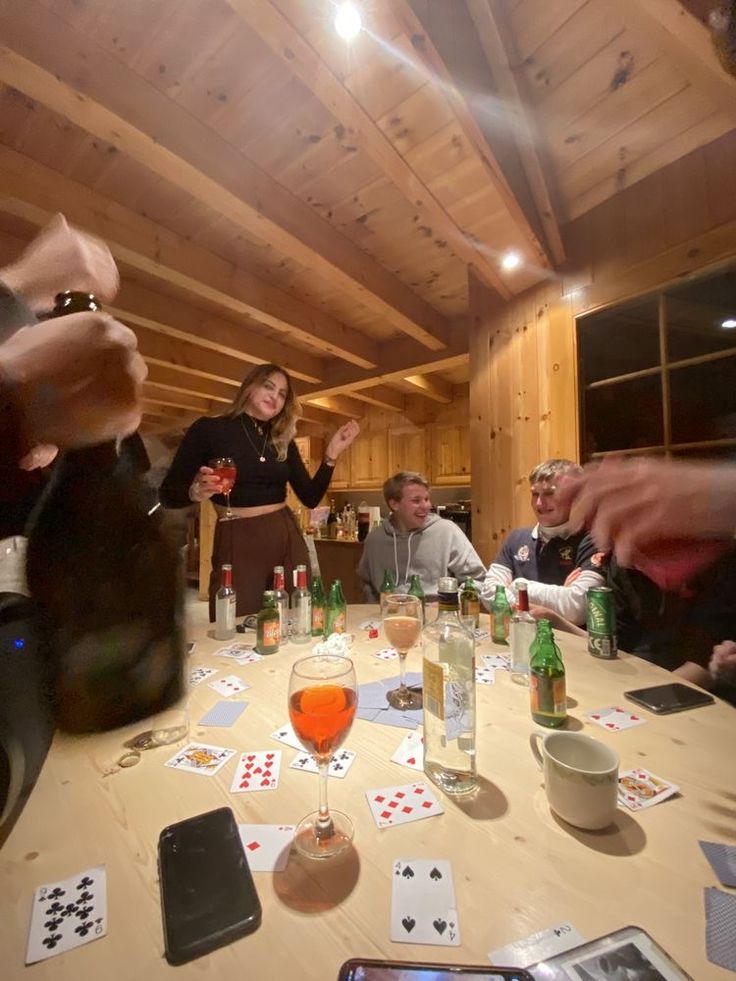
{"points": [[273, 193]]}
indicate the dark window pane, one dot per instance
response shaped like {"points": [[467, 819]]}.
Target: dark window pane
{"points": [[703, 399], [696, 313], [725, 454], [616, 342], [623, 415]]}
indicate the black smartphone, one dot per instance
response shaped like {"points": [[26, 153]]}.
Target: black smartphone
{"points": [[367, 970], [674, 697], [208, 897]]}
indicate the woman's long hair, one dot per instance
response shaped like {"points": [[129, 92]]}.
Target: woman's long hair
{"points": [[282, 426]]}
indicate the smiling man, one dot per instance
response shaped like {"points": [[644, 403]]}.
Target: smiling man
{"points": [[560, 566], [413, 540]]}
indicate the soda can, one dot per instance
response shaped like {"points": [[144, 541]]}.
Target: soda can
{"points": [[600, 617]]}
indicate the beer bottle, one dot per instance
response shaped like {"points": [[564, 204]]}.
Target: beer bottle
{"points": [[415, 589], [318, 607], [282, 601], [547, 679], [332, 520], [469, 604], [301, 607], [500, 616], [225, 603], [336, 614], [268, 625], [388, 584]]}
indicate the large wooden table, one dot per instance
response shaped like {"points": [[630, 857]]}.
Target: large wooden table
{"points": [[517, 869]]}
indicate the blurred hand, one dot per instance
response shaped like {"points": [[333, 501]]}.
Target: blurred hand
{"points": [[204, 485], [39, 457], [722, 666], [342, 439], [76, 380], [62, 258], [556, 619]]}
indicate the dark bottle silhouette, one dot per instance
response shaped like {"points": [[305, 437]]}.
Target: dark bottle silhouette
{"points": [[111, 583]]}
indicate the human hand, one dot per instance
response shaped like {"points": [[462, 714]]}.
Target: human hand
{"points": [[76, 380], [60, 258], [39, 457], [342, 439], [556, 619], [722, 665], [205, 484]]}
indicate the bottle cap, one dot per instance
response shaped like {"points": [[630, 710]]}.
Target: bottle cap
{"points": [[447, 584], [226, 566]]}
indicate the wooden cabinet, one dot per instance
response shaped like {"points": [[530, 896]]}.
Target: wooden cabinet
{"points": [[450, 455], [407, 450], [369, 460], [341, 473]]}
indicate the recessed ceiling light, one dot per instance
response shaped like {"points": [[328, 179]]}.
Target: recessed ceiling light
{"points": [[347, 21], [728, 324], [512, 260]]}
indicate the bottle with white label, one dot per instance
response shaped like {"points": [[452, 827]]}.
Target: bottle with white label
{"points": [[225, 603], [301, 609], [522, 631], [449, 697]]}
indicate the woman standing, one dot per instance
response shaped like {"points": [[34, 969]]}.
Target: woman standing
{"points": [[257, 433]]}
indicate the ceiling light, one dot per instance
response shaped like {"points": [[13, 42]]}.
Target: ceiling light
{"points": [[511, 261], [728, 324], [347, 21]]}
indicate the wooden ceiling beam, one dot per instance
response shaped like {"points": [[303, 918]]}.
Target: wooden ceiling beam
{"points": [[35, 192], [433, 65], [339, 405], [190, 360], [504, 63], [95, 91], [163, 397], [299, 57], [434, 388], [383, 397], [174, 380]]}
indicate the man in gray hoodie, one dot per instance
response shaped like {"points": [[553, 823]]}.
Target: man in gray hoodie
{"points": [[413, 540]]}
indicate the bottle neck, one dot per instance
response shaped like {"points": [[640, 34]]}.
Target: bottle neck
{"points": [[523, 600], [301, 579], [278, 580], [448, 605], [227, 577]]}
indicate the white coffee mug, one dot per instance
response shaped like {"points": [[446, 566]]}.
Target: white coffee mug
{"points": [[580, 777]]}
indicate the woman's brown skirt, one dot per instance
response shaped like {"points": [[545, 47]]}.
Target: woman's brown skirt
{"points": [[253, 546]]}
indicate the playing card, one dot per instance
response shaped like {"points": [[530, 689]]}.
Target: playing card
{"points": [[614, 719], [287, 736], [267, 846], [231, 684], [499, 662], [372, 624], [539, 946], [720, 928], [223, 714], [240, 653], [68, 914], [410, 751], [722, 859], [198, 675], [423, 907], [339, 764], [257, 770], [485, 676], [401, 804], [640, 788], [201, 758], [387, 654]]}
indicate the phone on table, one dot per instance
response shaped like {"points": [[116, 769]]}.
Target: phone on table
{"points": [[208, 897], [367, 970], [674, 697]]}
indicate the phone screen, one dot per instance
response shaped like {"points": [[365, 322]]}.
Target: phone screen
{"points": [[207, 890], [362, 970], [669, 698]]}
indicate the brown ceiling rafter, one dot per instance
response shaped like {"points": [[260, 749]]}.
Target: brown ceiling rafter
{"points": [[337, 404], [432, 387], [95, 91], [35, 192], [152, 393], [434, 65], [499, 47], [300, 58], [172, 382], [185, 357], [382, 397]]}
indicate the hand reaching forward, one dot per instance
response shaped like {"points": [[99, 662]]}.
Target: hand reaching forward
{"points": [[342, 439]]}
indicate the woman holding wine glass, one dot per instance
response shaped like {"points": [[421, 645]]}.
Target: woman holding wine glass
{"points": [[256, 530]]}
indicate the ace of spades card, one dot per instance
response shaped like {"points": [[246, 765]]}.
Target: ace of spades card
{"points": [[68, 914], [423, 907]]}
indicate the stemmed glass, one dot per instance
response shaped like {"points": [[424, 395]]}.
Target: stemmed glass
{"points": [[322, 703], [226, 471], [402, 624]]}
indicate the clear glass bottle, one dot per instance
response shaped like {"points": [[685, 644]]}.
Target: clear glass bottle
{"points": [[268, 625], [469, 604], [547, 679], [318, 607], [225, 603], [449, 697], [301, 609], [337, 611], [500, 616], [282, 601], [522, 631]]}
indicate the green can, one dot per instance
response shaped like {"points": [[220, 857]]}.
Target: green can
{"points": [[600, 618]]}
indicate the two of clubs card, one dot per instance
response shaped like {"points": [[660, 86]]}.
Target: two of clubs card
{"points": [[423, 907]]}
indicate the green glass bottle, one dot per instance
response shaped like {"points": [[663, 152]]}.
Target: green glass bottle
{"points": [[388, 584], [268, 625], [547, 679], [318, 607], [470, 604], [500, 616], [415, 589], [337, 611]]}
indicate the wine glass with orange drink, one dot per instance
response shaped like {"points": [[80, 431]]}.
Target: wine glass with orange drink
{"points": [[225, 469], [322, 701], [402, 624]]}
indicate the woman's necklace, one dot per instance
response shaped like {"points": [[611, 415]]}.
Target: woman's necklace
{"points": [[259, 429]]}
